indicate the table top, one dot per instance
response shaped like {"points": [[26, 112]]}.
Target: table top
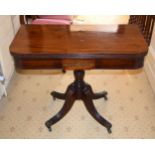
{"points": [[58, 41], [60, 46]]}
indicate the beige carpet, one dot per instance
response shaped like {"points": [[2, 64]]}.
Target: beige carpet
{"points": [[130, 108]]}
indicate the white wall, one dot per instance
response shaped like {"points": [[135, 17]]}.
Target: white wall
{"points": [[150, 62], [9, 25], [16, 23]]}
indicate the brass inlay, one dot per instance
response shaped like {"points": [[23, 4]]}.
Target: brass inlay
{"points": [[78, 64]]}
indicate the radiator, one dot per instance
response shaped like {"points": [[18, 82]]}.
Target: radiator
{"points": [[2, 82]]}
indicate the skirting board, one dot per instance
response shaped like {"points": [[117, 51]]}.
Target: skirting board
{"points": [[150, 67]]}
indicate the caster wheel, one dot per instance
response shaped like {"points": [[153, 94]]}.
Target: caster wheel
{"points": [[52, 94], [49, 127], [105, 95], [109, 130], [54, 98], [106, 98]]}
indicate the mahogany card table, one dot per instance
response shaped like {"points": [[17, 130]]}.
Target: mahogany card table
{"points": [[60, 47]]}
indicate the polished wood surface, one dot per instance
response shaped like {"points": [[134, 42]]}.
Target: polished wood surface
{"points": [[48, 46], [39, 40], [43, 46]]}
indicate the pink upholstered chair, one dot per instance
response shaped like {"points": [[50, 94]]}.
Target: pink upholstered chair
{"points": [[53, 19], [58, 17]]}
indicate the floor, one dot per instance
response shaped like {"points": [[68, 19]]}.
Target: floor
{"points": [[130, 107]]}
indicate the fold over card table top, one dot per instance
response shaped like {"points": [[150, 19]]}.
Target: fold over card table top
{"points": [[58, 46]]}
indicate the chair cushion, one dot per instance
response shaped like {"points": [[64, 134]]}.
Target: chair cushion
{"points": [[51, 21], [63, 17]]}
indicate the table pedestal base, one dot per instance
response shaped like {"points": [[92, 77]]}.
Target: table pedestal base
{"points": [[79, 90]]}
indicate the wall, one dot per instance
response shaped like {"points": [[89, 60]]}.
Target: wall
{"points": [[150, 62], [9, 25], [15, 22]]}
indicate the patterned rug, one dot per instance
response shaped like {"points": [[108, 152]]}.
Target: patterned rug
{"points": [[130, 106]]}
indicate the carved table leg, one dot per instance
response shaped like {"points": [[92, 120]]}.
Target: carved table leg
{"points": [[87, 98], [55, 95], [64, 110], [100, 95], [79, 90]]}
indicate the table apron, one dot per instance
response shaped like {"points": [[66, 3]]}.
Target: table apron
{"points": [[75, 64]]}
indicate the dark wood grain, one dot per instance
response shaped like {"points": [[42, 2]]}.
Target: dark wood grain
{"points": [[47, 46], [79, 90], [72, 64]]}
